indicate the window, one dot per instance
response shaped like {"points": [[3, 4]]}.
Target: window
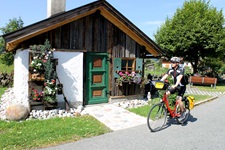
{"points": [[128, 64]]}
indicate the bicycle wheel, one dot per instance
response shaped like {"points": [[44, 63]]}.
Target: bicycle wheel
{"points": [[157, 117], [187, 112]]}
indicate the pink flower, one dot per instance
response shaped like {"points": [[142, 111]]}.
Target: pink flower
{"points": [[120, 73], [133, 74]]}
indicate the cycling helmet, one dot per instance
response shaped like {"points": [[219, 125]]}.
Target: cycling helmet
{"points": [[175, 59]]}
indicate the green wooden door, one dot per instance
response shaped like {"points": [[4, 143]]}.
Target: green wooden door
{"points": [[97, 78]]}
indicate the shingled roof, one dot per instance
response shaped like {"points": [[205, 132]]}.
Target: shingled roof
{"points": [[13, 39]]}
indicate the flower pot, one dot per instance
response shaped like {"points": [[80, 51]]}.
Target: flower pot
{"points": [[36, 105], [60, 89], [49, 105]]}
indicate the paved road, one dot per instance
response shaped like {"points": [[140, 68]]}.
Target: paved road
{"points": [[205, 130]]}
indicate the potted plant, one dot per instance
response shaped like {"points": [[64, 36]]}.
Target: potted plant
{"points": [[42, 60], [50, 90], [36, 96]]}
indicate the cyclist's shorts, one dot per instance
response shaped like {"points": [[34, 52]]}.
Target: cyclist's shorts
{"points": [[180, 89]]}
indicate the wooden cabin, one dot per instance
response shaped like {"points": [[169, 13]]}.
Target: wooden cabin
{"points": [[96, 42]]}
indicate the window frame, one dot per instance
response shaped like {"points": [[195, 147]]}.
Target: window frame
{"points": [[127, 67]]}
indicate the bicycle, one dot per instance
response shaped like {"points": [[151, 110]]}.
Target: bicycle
{"points": [[159, 111]]}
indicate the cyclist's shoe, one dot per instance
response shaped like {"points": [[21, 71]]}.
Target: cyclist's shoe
{"points": [[182, 116]]}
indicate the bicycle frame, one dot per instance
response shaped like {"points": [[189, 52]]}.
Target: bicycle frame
{"points": [[172, 111]]}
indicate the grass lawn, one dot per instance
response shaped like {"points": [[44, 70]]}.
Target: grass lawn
{"points": [[220, 87], [2, 90], [5, 68], [44, 133]]}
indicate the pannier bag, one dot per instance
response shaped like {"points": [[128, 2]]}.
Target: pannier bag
{"points": [[191, 101]]}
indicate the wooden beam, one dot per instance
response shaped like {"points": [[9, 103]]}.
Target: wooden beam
{"points": [[46, 27]]}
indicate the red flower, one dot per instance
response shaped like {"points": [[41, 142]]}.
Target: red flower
{"points": [[53, 81]]}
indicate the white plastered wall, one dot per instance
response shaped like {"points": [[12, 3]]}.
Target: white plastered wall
{"points": [[70, 73], [69, 70], [21, 63]]}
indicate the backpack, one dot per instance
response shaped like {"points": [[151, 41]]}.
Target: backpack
{"points": [[185, 80]]}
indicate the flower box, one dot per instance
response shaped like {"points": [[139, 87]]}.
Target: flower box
{"points": [[37, 77], [36, 105], [126, 77]]}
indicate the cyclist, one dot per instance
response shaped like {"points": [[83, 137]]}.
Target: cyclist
{"points": [[177, 74]]}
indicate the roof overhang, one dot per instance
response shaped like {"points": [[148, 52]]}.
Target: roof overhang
{"points": [[13, 39]]}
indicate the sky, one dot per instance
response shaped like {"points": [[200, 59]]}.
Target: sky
{"points": [[147, 15]]}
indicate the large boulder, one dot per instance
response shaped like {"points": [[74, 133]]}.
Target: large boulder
{"points": [[16, 112]]}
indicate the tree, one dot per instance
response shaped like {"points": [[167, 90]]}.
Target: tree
{"points": [[195, 32], [14, 24]]}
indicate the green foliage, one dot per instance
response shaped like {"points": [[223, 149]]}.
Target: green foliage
{"points": [[44, 54], [50, 91], [41, 133], [7, 58], [211, 67], [1, 44], [158, 69], [187, 70], [195, 32], [42, 60], [13, 25], [5, 68]]}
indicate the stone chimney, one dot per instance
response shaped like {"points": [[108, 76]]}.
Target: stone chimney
{"points": [[55, 7]]}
